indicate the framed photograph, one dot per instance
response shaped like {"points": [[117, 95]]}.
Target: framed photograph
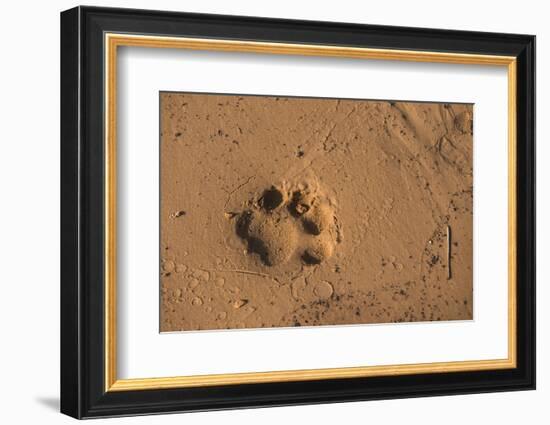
{"points": [[261, 212]]}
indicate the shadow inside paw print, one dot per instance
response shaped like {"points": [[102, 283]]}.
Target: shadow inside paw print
{"points": [[282, 225]]}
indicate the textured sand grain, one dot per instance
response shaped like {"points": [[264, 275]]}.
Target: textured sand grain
{"points": [[280, 211]]}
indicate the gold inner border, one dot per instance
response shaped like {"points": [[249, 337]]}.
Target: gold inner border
{"points": [[113, 41]]}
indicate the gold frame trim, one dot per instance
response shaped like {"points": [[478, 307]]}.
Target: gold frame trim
{"points": [[113, 41]]}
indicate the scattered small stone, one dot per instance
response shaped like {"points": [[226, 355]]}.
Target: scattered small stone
{"points": [[239, 303], [230, 214], [202, 275], [323, 289], [181, 268], [168, 266]]}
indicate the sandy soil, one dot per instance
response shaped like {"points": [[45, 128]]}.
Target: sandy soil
{"points": [[279, 212]]}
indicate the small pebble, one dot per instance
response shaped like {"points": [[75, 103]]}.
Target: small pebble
{"points": [[168, 266], [239, 303], [181, 268], [323, 289]]}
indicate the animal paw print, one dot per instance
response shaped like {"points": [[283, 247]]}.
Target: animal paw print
{"points": [[285, 226]]}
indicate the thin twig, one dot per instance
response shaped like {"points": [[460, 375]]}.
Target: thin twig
{"points": [[448, 252], [249, 272]]}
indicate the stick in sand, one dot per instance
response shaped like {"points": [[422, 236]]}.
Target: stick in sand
{"points": [[448, 252]]}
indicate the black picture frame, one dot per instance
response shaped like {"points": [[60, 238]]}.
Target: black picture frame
{"points": [[83, 392]]}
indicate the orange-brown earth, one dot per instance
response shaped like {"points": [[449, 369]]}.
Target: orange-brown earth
{"points": [[279, 211]]}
